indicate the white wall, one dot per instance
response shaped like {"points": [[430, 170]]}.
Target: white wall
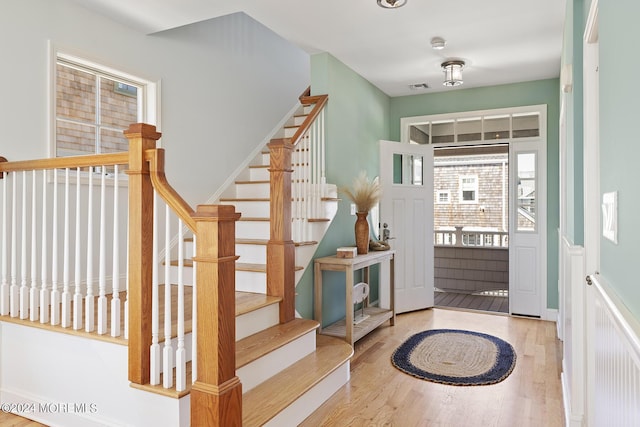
{"points": [[226, 83]]}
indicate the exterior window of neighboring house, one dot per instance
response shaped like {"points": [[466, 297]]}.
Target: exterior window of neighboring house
{"points": [[443, 197], [94, 104], [469, 189]]}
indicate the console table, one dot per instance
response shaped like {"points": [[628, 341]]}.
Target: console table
{"points": [[345, 328]]}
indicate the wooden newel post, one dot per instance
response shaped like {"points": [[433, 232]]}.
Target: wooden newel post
{"points": [[281, 249], [141, 137], [216, 396]]}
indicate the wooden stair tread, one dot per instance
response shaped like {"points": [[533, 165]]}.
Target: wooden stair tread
{"points": [[249, 199], [257, 345], [266, 400], [252, 182], [248, 218], [247, 302], [259, 166], [258, 268]]}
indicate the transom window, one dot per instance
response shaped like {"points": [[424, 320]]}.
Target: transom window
{"points": [[94, 104]]}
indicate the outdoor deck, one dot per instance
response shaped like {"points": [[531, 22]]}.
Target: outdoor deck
{"points": [[497, 304]]}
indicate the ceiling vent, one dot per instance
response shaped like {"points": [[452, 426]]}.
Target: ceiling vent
{"points": [[419, 86]]}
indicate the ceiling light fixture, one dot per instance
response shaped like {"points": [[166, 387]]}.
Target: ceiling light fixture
{"points": [[391, 4], [452, 72], [438, 43]]}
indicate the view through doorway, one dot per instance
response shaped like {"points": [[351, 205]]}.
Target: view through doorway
{"points": [[471, 227]]}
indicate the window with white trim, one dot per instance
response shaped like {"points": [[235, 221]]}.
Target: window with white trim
{"points": [[443, 197], [94, 104], [469, 189]]}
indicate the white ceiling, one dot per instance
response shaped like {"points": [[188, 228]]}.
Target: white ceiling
{"points": [[501, 41]]}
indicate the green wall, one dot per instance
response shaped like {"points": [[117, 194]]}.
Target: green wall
{"points": [[511, 95], [358, 115], [619, 147], [357, 118]]}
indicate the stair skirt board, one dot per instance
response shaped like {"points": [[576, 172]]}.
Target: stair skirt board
{"points": [[263, 368], [257, 320], [76, 382]]}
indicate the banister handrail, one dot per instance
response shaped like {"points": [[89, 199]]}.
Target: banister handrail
{"points": [[171, 197], [319, 101], [71, 162]]}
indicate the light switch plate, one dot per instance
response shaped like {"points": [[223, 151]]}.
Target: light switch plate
{"points": [[353, 208], [610, 216]]}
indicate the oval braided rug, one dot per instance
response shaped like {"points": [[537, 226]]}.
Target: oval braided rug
{"points": [[455, 357]]}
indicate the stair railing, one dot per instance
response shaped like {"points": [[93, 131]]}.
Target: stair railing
{"points": [[216, 392], [63, 247], [55, 264], [306, 191]]}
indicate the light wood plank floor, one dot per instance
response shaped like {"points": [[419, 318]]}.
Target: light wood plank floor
{"points": [[471, 302], [380, 395]]}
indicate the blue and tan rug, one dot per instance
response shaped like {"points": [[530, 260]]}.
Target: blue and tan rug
{"points": [[455, 357]]}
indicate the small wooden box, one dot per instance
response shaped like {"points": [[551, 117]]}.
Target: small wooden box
{"points": [[347, 252]]}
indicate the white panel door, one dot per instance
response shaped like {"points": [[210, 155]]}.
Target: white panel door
{"points": [[527, 225], [406, 175]]}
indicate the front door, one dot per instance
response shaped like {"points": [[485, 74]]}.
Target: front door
{"points": [[406, 175]]}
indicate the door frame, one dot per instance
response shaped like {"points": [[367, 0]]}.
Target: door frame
{"points": [[406, 122]]}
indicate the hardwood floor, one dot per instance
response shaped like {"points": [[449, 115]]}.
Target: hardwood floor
{"points": [[380, 395]]}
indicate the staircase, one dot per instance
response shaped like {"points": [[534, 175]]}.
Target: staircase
{"points": [[285, 368]]}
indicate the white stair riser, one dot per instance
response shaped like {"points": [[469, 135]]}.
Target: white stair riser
{"points": [[253, 229], [272, 363], [259, 174], [251, 254], [295, 413], [251, 281], [298, 120], [289, 132], [253, 190], [266, 159], [257, 320], [250, 209]]}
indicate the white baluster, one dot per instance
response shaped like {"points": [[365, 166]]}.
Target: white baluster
{"points": [[44, 292], [323, 178], [155, 329], [307, 191], [89, 302], [194, 317], [66, 281], [115, 301], [24, 291], [77, 295], [181, 353], [55, 293], [13, 290], [4, 286], [167, 351], [102, 273], [34, 291], [126, 301]]}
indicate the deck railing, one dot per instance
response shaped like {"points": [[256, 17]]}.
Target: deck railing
{"points": [[458, 236], [64, 257]]}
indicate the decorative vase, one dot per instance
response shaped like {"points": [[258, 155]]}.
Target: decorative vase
{"points": [[362, 233]]}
